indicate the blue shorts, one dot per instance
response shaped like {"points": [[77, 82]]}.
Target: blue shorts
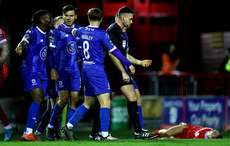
{"points": [[68, 80], [33, 80], [94, 80]]}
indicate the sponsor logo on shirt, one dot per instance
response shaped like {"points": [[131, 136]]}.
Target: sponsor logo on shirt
{"points": [[60, 84], [34, 83]]}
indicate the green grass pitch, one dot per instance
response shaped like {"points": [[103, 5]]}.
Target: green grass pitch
{"points": [[127, 139]]}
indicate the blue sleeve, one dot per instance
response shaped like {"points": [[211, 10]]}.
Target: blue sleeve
{"points": [[52, 47], [29, 35], [69, 30], [113, 49], [121, 57], [127, 50]]}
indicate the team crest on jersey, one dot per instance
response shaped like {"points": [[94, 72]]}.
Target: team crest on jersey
{"points": [[111, 42], [43, 53], [51, 39], [26, 36], [28, 33], [124, 44], [51, 31], [71, 47]]}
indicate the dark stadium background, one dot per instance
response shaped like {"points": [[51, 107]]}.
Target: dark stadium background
{"points": [[194, 17]]}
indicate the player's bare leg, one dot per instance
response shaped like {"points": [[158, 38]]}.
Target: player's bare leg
{"points": [[63, 98], [139, 101], [89, 101], [74, 100], [104, 100], [37, 95], [129, 92], [172, 131]]}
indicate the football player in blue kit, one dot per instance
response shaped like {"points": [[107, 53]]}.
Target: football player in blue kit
{"points": [[52, 98], [92, 41], [63, 59], [33, 69], [119, 76]]}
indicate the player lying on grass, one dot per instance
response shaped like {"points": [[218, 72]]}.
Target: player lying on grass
{"points": [[186, 131]]}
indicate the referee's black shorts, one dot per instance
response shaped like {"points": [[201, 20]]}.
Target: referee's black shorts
{"points": [[115, 78]]}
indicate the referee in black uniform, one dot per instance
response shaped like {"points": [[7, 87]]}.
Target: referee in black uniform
{"points": [[117, 75]]}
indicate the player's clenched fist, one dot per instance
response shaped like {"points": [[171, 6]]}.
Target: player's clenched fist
{"points": [[146, 63], [132, 69], [19, 49]]}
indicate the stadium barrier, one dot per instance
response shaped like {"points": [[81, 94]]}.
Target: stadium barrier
{"points": [[119, 114], [202, 111], [197, 99], [183, 84]]}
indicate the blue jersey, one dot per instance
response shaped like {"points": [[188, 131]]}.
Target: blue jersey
{"points": [[63, 50], [36, 51], [92, 41]]}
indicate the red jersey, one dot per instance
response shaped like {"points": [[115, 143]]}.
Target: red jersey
{"points": [[2, 38], [194, 132]]}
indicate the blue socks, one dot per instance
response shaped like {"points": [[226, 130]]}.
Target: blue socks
{"points": [[78, 114], [70, 113], [33, 114], [104, 118], [55, 115], [44, 121], [140, 115]]}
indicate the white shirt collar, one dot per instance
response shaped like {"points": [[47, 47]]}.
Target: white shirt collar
{"points": [[93, 26], [205, 136], [40, 30]]}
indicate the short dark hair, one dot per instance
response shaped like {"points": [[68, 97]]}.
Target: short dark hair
{"points": [[125, 10], [219, 137], [67, 8], [37, 16], [57, 18], [95, 14]]}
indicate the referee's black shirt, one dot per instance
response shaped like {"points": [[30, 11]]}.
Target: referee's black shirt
{"points": [[118, 38]]}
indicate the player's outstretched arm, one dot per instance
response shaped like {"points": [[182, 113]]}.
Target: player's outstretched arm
{"points": [[54, 75], [143, 63], [21, 46], [67, 29], [5, 51]]}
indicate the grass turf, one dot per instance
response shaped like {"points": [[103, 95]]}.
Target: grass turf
{"points": [[127, 139]]}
